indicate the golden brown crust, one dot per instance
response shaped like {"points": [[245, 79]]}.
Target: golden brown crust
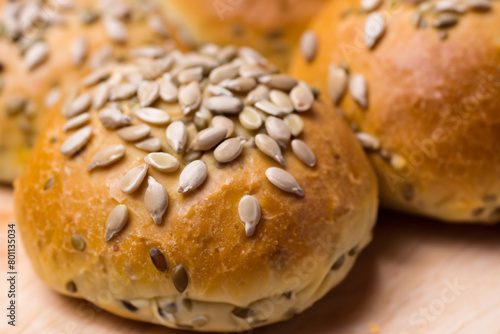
{"points": [[272, 27], [296, 243], [58, 71], [433, 102]]}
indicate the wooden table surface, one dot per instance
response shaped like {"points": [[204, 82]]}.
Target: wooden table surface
{"points": [[417, 276]]}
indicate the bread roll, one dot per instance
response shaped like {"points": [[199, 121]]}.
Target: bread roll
{"points": [[47, 46], [421, 85], [179, 203], [272, 27]]}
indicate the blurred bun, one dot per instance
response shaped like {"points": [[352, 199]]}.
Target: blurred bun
{"points": [[425, 100]]}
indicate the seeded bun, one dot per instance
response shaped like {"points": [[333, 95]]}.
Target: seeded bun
{"points": [[31, 82], [425, 99], [240, 219], [272, 27]]}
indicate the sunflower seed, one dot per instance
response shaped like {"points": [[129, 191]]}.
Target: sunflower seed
{"points": [[107, 156], [16, 105], [202, 118], [223, 122], [180, 278], [96, 77], [152, 144], [199, 320], [229, 150], [277, 129], [163, 162], [303, 152], [79, 50], [192, 176], [158, 26], [35, 55], [132, 180], [251, 57], [78, 242], [268, 107], [149, 51], [239, 85], [445, 20], [207, 139], [279, 81], [369, 5], [302, 97], [398, 162], [134, 133], [449, 6], [252, 71], [76, 141], [209, 50], [153, 69], [294, 123], [116, 221], [282, 101], [249, 210], [168, 91], [122, 92], [190, 97], [101, 96], [76, 121], [358, 90], [218, 90], [479, 4], [80, 104], [224, 104], [156, 200], [112, 118], [159, 260], [190, 74], [308, 45], [152, 116], [269, 147], [374, 29], [147, 93], [368, 141], [52, 97], [227, 53], [115, 29], [337, 83], [284, 180], [260, 92], [176, 134], [250, 118]]}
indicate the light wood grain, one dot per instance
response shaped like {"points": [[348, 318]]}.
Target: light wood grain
{"points": [[406, 272]]}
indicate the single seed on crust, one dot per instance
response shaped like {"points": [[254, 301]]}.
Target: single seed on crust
{"points": [[156, 200], [112, 118], [249, 211], [76, 122], [159, 260], [176, 134], [294, 123], [359, 90], [284, 180], [76, 141], [303, 152], [337, 83], [35, 55], [147, 93], [301, 97], [79, 105], [78, 242], [229, 150], [152, 116], [308, 45], [106, 156], [224, 104], [278, 130], [190, 97], [250, 118], [152, 144], [134, 133], [163, 162], [269, 147], [180, 278], [116, 221], [223, 122], [374, 29], [192, 176], [133, 179], [206, 139]]}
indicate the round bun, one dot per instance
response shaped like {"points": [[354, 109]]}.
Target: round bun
{"points": [[211, 239], [46, 53], [421, 85], [271, 27]]}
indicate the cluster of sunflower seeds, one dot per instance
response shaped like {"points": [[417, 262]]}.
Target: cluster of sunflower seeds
{"points": [[27, 23], [230, 100], [439, 14]]}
